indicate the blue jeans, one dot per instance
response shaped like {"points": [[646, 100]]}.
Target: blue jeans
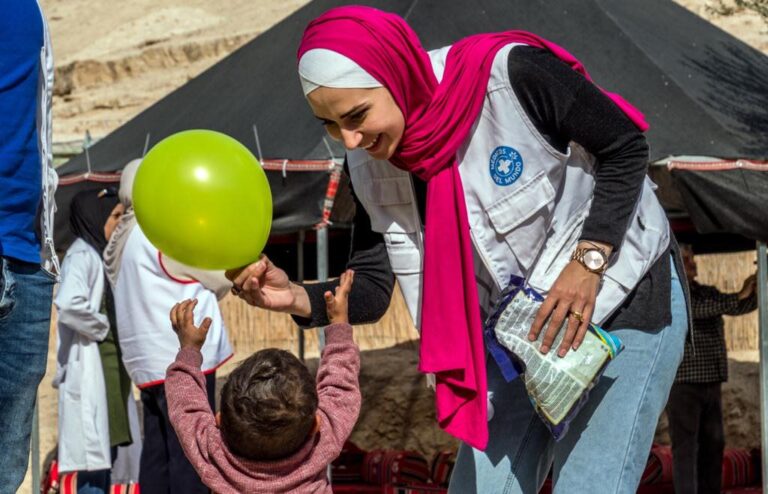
{"points": [[607, 446], [26, 291]]}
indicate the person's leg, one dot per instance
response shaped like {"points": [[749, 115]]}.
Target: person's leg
{"points": [[519, 452], [153, 465], [185, 478], [684, 411], [711, 442], [607, 447], [25, 314], [95, 482]]}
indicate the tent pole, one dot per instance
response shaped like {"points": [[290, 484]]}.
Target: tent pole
{"points": [[322, 272], [300, 276], [322, 275], [322, 253], [762, 307], [35, 447]]}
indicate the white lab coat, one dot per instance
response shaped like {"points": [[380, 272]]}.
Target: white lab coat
{"points": [[83, 418]]}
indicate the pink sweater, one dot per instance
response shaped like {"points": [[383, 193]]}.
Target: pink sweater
{"points": [[305, 471]]}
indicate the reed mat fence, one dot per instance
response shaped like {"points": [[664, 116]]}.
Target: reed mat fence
{"points": [[252, 329]]}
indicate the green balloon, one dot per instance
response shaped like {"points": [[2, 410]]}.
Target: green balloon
{"points": [[203, 199]]}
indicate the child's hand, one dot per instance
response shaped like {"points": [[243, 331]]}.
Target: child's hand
{"points": [[183, 322], [336, 305]]}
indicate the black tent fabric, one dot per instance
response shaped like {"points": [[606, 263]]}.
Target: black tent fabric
{"points": [[725, 199], [67, 189], [303, 195], [702, 91], [677, 209]]}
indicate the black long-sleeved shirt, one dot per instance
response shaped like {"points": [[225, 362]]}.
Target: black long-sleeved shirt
{"points": [[564, 107]]}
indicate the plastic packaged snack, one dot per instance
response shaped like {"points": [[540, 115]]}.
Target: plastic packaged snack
{"points": [[558, 387]]}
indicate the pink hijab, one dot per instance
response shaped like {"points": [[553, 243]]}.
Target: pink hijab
{"points": [[438, 118]]}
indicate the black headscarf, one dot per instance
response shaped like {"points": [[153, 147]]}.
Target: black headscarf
{"points": [[89, 213]]}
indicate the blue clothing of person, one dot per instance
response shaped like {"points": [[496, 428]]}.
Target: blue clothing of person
{"points": [[27, 186], [21, 42], [26, 294]]}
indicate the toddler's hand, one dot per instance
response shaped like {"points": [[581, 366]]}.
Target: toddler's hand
{"points": [[183, 322], [336, 305]]}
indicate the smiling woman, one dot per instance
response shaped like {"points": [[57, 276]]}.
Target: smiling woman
{"points": [[368, 119], [496, 158]]}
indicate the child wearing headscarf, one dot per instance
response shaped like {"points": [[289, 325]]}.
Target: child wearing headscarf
{"points": [[90, 423]]}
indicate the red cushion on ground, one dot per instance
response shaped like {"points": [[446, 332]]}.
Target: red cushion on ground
{"points": [[357, 489], [656, 489], [68, 483], [124, 489], [414, 489], [658, 470], [738, 468], [395, 467], [348, 467], [442, 466]]}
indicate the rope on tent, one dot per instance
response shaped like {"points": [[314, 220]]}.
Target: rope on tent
{"points": [[258, 146], [328, 147], [285, 165], [410, 10], [86, 145], [146, 146]]}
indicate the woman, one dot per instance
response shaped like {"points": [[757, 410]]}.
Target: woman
{"points": [[86, 433], [496, 157]]}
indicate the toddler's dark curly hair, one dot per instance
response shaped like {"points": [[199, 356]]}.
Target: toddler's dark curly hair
{"points": [[268, 406]]}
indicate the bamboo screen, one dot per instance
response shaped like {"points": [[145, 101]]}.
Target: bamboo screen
{"points": [[251, 329]]}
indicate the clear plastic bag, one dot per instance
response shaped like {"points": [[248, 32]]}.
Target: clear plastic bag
{"points": [[558, 387]]}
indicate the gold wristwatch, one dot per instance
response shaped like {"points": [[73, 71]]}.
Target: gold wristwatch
{"points": [[594, 259]]}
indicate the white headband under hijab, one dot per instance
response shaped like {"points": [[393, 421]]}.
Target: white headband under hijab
{"points": [[321, 67]]}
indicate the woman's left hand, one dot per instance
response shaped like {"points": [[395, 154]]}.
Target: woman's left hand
{"points": [[572, 296]]}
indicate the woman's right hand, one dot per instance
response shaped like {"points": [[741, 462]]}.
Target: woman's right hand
{"points": [[262, 284]]}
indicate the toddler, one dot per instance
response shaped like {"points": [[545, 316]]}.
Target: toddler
{"points": [[278, 429]]}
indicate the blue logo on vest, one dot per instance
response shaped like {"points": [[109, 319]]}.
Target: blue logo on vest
{"points": [[506, 165]]}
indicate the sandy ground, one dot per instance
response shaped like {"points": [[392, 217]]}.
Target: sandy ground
{"points": [[114, 61]]}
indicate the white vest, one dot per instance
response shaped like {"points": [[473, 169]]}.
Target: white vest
{"points": [[144, 296], [526, 204]]}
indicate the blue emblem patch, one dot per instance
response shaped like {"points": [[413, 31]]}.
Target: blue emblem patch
{"points": [[506, 165]]}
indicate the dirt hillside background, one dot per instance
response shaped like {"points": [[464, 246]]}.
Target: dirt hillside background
{"points": [[113, 61]]}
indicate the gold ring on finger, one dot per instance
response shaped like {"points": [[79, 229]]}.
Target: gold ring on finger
{"points": [[577, 315]]}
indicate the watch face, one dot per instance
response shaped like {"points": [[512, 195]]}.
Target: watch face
{"points": [[593, 259]]}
